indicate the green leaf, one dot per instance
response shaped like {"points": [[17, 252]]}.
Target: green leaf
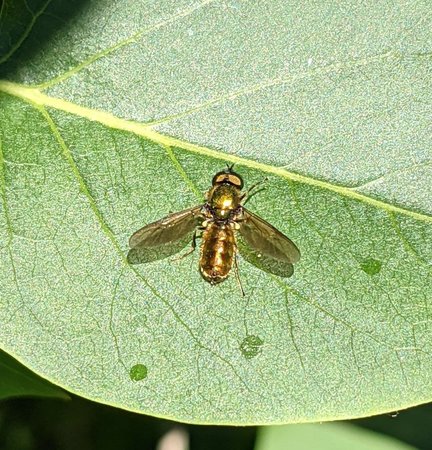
{"points": [[329, 436], [113, 117], [16, 21], [17, 381]]}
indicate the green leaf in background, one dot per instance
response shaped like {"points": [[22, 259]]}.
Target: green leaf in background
{"points": [[328, 436], [17, 381], [112, 116]]}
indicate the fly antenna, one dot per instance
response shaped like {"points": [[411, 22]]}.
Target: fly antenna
{"points": [[230, 167]]}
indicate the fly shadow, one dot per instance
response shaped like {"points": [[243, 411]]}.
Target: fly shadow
{"points": [[144, 255]]}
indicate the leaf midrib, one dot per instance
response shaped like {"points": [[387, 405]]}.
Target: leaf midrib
{"points": [[37, 98]]}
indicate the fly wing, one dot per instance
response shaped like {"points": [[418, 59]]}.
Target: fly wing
{"points": [[266, 239], [170, 228]]}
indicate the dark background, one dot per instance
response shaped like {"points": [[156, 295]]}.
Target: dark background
{"points": [[33, 424]]}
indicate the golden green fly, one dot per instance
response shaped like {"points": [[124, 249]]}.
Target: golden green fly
{"points": [[216, 223]]}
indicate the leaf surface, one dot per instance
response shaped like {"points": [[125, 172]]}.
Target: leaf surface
{"points": [[113, 117]]}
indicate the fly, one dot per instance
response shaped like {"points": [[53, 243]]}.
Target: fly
{"points": [[218, 221]]}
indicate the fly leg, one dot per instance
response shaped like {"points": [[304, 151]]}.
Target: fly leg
{"points": [[247, 195], [237, 274], [191, 250]]}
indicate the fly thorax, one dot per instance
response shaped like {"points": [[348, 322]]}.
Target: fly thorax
{"points": [[223, 200]]}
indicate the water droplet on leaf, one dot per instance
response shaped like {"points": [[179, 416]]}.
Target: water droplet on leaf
{"points": [[138, 372], [251, 346], [371, 266]]}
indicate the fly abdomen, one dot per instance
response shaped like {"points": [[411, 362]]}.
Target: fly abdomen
{"points": [[217, 252]]}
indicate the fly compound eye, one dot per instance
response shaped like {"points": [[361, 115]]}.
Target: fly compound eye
{"points": [[220, 177], [235, 180], [228, 177]]}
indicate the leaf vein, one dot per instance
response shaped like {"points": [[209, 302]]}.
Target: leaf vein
{"points": [[134, 38], [37, 98], [8, 222], [392, 172], [408, 246], [183, 173], [253, 88]]}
